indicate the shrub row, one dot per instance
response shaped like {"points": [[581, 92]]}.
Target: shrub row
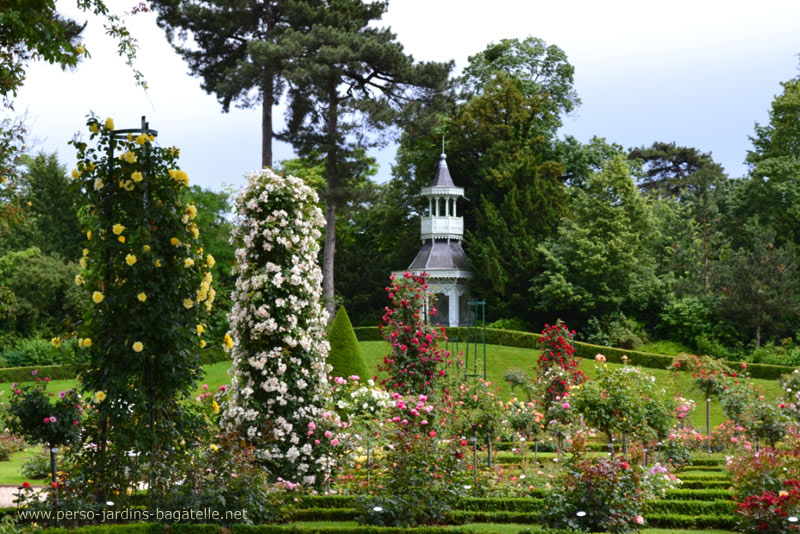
{"points": [[178, 528], [527, 340], [717, 521], [666, 506], [302, 529], [341, 507], [545, 446], [704, 468], [686, 494], [25, 374], [706, 484], [67, 372], [721, 519], [705, 460]]}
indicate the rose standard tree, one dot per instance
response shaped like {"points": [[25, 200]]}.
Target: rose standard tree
{"points": [[279, 384], [149, 283]]}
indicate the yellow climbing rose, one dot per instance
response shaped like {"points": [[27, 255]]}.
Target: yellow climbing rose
{"points": [[188, 303], [97, 297], [188, 262], [138, 346], [142, 296], [100, 396], [200, 329], [142, 139], [121, 239], [78, 279], [130, 259], [228, 342], [210, 261], [117, 229], [137, 177], [129, 156], [109, 123], [55, 342]]}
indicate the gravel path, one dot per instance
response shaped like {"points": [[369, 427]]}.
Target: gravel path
{"points": [[8, 494]]}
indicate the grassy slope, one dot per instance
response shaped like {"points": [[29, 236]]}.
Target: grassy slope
{"points": [[499, 359]]}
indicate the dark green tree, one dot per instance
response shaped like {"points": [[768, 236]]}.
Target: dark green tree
{"points": [[669, 169], [52, 206], [538, 68], [759, 285], [353, 78], [345, 355], [772, 193], [598, 262]]}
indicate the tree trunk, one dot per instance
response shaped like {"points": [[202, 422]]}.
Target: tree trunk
{"points": [[758, 336], [330, 198], [268, 89]]}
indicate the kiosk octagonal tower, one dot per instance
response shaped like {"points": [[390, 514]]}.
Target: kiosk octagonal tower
{"points": [[441, 255]]}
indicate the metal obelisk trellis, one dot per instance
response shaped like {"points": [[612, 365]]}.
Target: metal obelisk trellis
{"points": [[146, 173], [476, 336]]}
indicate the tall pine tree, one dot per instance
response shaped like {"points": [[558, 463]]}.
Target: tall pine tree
{"points": [[353, 78], [239, 48]]}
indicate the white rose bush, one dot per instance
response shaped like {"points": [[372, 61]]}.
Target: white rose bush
{"points": [[279, 386]]}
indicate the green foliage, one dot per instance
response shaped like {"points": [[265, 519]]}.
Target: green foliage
{"points": [[52, 206], [345, 355], [615, 330], [44, 298], [538, 69], [671, 170], [772, 193], [36, 352], [37, 467], [759, 283], [598, 260]]}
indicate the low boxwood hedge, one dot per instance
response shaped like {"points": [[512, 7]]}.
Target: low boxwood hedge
{"points": [[696, 507], [686, 494], [704, 521]]}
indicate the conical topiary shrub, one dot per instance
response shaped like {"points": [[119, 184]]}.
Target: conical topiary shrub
{"points": [[345, 355]]}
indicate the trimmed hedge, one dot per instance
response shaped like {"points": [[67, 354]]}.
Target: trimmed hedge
{"points": [[665, 506], [24, 374], [527, 340], [698, 494], [67, 372], [721, 521], [301, 529]]}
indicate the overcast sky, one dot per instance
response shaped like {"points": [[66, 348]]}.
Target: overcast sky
{"points": [[700, 73]]}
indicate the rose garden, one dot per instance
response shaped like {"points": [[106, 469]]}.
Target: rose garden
{"points": [[319, 427]]}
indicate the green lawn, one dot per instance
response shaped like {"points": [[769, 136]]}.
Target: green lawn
{"points": [[10, 470], [500, 358]]}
